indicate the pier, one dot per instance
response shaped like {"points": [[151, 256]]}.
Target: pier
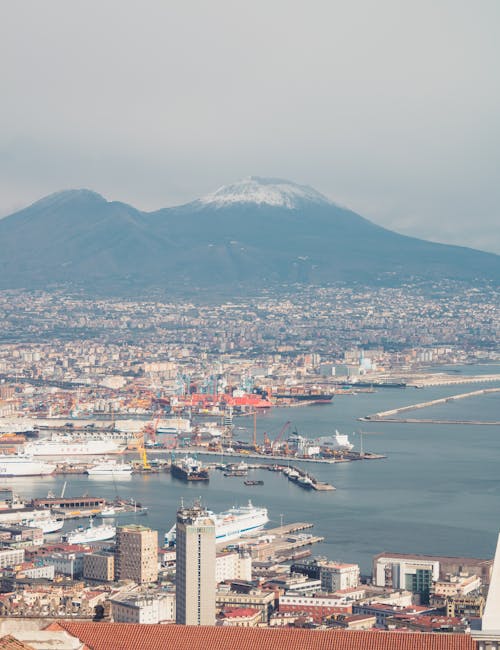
{"points": [[281, 543], [386, 416]]}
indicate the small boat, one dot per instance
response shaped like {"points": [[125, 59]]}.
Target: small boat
{"points": [[253, 482]]}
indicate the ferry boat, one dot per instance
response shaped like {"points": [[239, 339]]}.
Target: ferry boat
{"points": [[91, 534], [23, 464], [110, 468], [232, 524], [71, 446]]}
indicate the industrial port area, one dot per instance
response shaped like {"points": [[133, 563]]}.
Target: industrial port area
{"points": [[241, 421]]}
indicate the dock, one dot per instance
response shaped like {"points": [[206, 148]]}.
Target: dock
{"points": [[284, 542]]}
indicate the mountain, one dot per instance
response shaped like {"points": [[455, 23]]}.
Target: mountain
{"points": [[254, 233]]}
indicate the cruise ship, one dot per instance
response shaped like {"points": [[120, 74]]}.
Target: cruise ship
{"points": [[70, 446], [232, 524], [23, 464], [110, 468], [90, 534]]}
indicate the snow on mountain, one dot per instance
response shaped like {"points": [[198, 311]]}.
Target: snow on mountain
{"points": [[268, 191]]}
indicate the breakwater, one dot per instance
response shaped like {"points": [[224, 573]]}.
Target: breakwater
{"points": [[388, 416]]}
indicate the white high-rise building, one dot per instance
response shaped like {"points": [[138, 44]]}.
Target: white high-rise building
{"points": [[491, 617], [195, 570]]}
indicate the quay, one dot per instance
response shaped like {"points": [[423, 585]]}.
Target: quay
{"points": [[382, 415], [272, 458], [282, 542]]}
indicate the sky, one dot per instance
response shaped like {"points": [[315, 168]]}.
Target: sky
{"points": [[390, 107]]}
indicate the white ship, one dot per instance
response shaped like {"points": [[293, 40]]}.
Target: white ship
{"points": [[110, 468], [90, 534], [69, 446], [23, 464], [337, 442], [48, 524], [232, 524]]}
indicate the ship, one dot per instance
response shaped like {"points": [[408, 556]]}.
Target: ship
{"points": [[337, 442], [70, 446], [23, 464], [373, 384], [189, 469], [232, 524], [112, 512], [303, 395], [48, 524], [110, 468], [90, 534]]}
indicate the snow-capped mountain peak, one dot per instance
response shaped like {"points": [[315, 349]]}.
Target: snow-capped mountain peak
{"points": [[264, 191]]}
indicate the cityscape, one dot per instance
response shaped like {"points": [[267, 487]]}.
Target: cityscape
{"points": [[249, 326]]}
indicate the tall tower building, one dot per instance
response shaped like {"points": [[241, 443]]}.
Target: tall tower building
{"points": [[136, 554], [195, 572]]}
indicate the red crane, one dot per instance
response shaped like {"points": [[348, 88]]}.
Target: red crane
{"points": [[280, 435]]}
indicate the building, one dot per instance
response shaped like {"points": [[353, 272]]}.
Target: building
{"points": [[456, 586], [144, 608], [9, 557], [335, 576], [317, 607], [233, 566], [239, 617], [99, 567], [195, 571], [136, 556], [447, 565], [264, 601], [413, 574]]}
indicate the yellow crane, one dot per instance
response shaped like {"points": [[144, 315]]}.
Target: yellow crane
{"points": [[142, 450]]}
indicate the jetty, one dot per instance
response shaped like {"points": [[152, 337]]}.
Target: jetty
{"points": [[388, 416]]}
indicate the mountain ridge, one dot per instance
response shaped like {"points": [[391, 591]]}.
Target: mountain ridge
{"points": [[252, 233]]}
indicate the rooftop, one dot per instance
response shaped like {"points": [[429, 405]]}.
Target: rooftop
{"points": [[110, 636]]}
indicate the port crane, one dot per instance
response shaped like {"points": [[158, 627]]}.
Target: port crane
{"points": [[280, 435], [139, 437]]}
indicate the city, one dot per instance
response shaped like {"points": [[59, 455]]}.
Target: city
{"points": [[249, 325]]}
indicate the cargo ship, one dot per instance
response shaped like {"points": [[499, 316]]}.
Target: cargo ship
{"points": [[317, 397], [373, 384], [232, 524], [189, 469]]}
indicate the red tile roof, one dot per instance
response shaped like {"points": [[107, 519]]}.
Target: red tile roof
{"points": [[125, 636], [9, 642]]}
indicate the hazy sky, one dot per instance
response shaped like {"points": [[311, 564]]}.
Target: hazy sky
{"points": [[391, 107]]}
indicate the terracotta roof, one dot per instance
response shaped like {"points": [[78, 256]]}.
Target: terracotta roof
{"points": [[124, 636], [8, 642]]}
